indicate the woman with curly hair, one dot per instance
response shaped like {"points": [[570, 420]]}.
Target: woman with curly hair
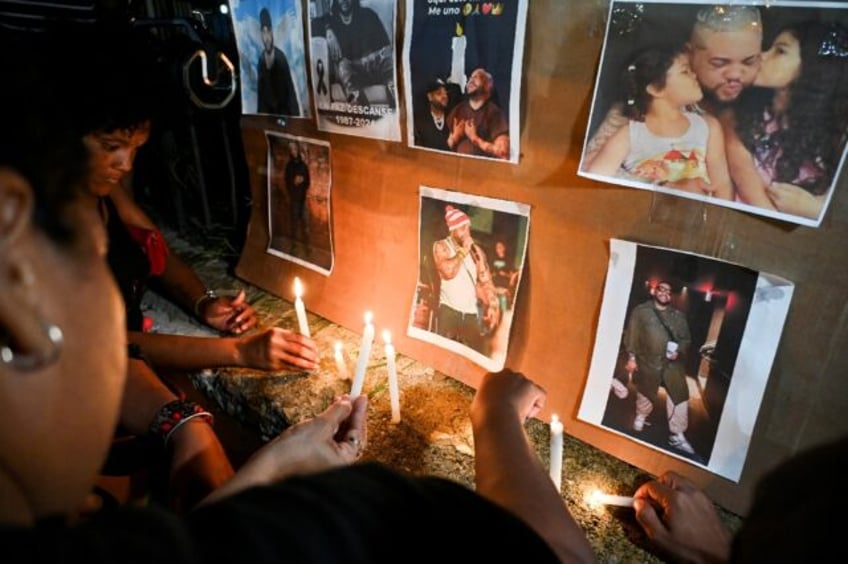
{"points": [[787, 135]]}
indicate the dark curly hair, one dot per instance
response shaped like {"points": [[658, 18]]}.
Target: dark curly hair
{"points": [[817, 114], [648, 67]]}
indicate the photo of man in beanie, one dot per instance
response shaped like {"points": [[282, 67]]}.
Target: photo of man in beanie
{"points": [[275, 88], [468, 301]]}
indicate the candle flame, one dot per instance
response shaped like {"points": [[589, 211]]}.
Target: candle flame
{"points": [[459, 30], [368, 317], [387, 336], [594, 499], [298, 287], [339, 347], [554, 419]]}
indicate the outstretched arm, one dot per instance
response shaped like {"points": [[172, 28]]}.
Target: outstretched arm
{"points": [[271, 349], [508, 471], [183, 285]]}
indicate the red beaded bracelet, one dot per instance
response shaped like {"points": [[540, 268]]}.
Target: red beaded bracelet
{"points": [[175, 414]]}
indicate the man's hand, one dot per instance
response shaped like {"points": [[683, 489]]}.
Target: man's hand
{"points": [[276, 348], [224, 313], [687, 525]]}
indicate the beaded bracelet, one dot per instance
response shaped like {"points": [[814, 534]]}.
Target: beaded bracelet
{"points": [[174, 415]]}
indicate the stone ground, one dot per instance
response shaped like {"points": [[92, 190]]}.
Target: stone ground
{"points": [[434, 436]]}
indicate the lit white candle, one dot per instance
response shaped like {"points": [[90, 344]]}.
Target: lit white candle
{"points": [[341, 365], [556, 451], [300, 308], [458, 46], [394, 394], [364, 353], [598, 498]]}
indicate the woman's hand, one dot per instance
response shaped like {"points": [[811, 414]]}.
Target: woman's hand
{"points": [[276, 348], [334, 438], [792, 199], [228, 314]]}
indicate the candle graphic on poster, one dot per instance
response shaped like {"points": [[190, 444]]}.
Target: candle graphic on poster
{"points": [[458, 44]]}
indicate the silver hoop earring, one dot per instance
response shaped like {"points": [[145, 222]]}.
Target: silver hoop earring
{"points": [[28, 362]]}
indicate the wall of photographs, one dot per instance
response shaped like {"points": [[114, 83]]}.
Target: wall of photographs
{"points": [[760, 276]]}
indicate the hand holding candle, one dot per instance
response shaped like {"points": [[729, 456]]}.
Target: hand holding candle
{"points": [[556, 451], [394, 394], [341, 365], [300, 309], [364, 353]]}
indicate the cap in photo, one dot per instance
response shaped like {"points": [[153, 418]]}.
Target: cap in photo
{"points": [[455, 218], [435, 84]]}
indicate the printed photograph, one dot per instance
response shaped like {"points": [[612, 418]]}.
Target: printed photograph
{"points": [[683, 352], [272, 61], [739, 105], [471, 256], [463, 76], [354, 75], [299, 182]]}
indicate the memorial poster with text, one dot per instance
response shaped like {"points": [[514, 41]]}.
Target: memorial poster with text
{"points": [[463, 65]]}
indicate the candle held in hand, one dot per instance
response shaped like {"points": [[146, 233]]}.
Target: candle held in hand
{"points": [[598, 498], [300, 309], [556, 451], [394, 394], [341, 365], [364, 353]]}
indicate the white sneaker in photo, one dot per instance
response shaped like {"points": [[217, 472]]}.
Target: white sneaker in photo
{"points": [[679, 442], [639, 422]]}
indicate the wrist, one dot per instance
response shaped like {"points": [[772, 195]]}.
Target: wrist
{"points": [[173, 415], [200, 302]]}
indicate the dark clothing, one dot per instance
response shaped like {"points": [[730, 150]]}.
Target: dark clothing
{"points": [[361, 514], [460, 327], [646, 338], [362, 54], [795, 512], [362, 37], [490, 121], [297, 185], [275, 89], [129, 264], [428, 134]]}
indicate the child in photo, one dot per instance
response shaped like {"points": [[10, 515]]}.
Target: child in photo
{"points": [[664, 142]]}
